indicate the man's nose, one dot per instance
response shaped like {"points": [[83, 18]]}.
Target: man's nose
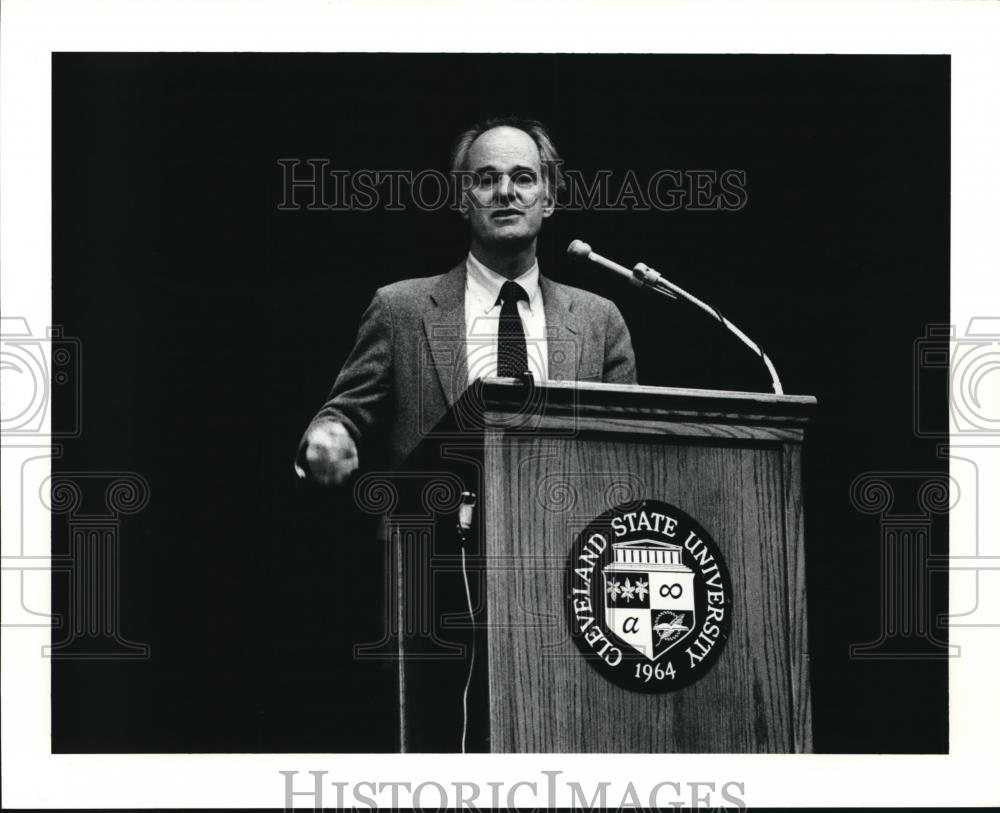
{"points": [[505, 188]]}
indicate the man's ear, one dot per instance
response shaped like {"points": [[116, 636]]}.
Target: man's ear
{"points": [[464, 204], [464, 182], [548, 202]]}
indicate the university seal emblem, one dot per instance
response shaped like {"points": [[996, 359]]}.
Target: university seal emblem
{"points": [[648, 596]]}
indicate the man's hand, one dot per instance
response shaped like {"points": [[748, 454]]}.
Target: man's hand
{"points": [[330, 453]]}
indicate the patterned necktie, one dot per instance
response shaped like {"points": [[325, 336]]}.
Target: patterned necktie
{"points": [[512, 350]]}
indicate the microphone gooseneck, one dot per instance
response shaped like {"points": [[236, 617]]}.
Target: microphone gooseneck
{"points": [[646, 277]]}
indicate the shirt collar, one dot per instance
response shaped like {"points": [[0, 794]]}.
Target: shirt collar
{"points": [[485, 283]]}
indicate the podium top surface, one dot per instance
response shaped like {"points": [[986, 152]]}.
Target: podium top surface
{"points": [[504, 395], [570, 409]]}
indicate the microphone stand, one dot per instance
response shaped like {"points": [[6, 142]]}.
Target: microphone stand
{"points": [[654, 281], [645, 277]]}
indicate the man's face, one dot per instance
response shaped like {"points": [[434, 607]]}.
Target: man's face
{"points": [[510, 199]]}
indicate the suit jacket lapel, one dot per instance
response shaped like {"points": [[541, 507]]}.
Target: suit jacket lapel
{"points": [[445, 329], [565, 342], [444, 326]]}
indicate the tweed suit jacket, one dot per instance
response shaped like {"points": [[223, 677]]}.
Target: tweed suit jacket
{"points": [[408, 365]]}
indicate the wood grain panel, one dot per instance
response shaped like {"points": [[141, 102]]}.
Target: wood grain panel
{"points": [[797, 611], [544, 695]]}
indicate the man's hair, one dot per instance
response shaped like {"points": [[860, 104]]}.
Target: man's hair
{"points": [[550, 160]]}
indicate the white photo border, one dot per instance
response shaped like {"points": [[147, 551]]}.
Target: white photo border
{"points": [[31, 31]]}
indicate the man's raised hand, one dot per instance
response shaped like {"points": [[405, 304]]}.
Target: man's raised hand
{"points": [[330, 453]]}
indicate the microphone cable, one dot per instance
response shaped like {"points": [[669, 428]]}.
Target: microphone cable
{"points": [[465, 509]]}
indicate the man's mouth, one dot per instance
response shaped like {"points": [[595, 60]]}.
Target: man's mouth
{"points": [[502, 213]]}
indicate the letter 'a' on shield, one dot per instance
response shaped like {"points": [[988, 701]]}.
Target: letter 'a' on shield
{"points": [[649, 596]]}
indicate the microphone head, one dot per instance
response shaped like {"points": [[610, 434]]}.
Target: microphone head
{"points": [[465, 509], [578, 248]]}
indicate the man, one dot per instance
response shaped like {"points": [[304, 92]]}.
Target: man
{"points": [[422, 341]]}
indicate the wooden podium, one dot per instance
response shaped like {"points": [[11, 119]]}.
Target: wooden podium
{"points": [[544, 461]]}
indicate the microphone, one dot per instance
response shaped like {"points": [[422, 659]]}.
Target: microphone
{"points": [[645, 277], [465, 514]]}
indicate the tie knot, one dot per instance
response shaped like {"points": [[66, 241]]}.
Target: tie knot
{"points": [[511, 292]]}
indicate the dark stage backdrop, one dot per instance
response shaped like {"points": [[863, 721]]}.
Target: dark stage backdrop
{"points": [[212, 325]]}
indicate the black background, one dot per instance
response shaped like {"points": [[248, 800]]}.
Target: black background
{"points": [[212, 325]]}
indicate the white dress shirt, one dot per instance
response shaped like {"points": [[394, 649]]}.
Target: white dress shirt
{"points": [[482, 320]]}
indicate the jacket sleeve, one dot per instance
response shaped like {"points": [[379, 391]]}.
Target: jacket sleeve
{"points": [[619, 358], [360, 395]]}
